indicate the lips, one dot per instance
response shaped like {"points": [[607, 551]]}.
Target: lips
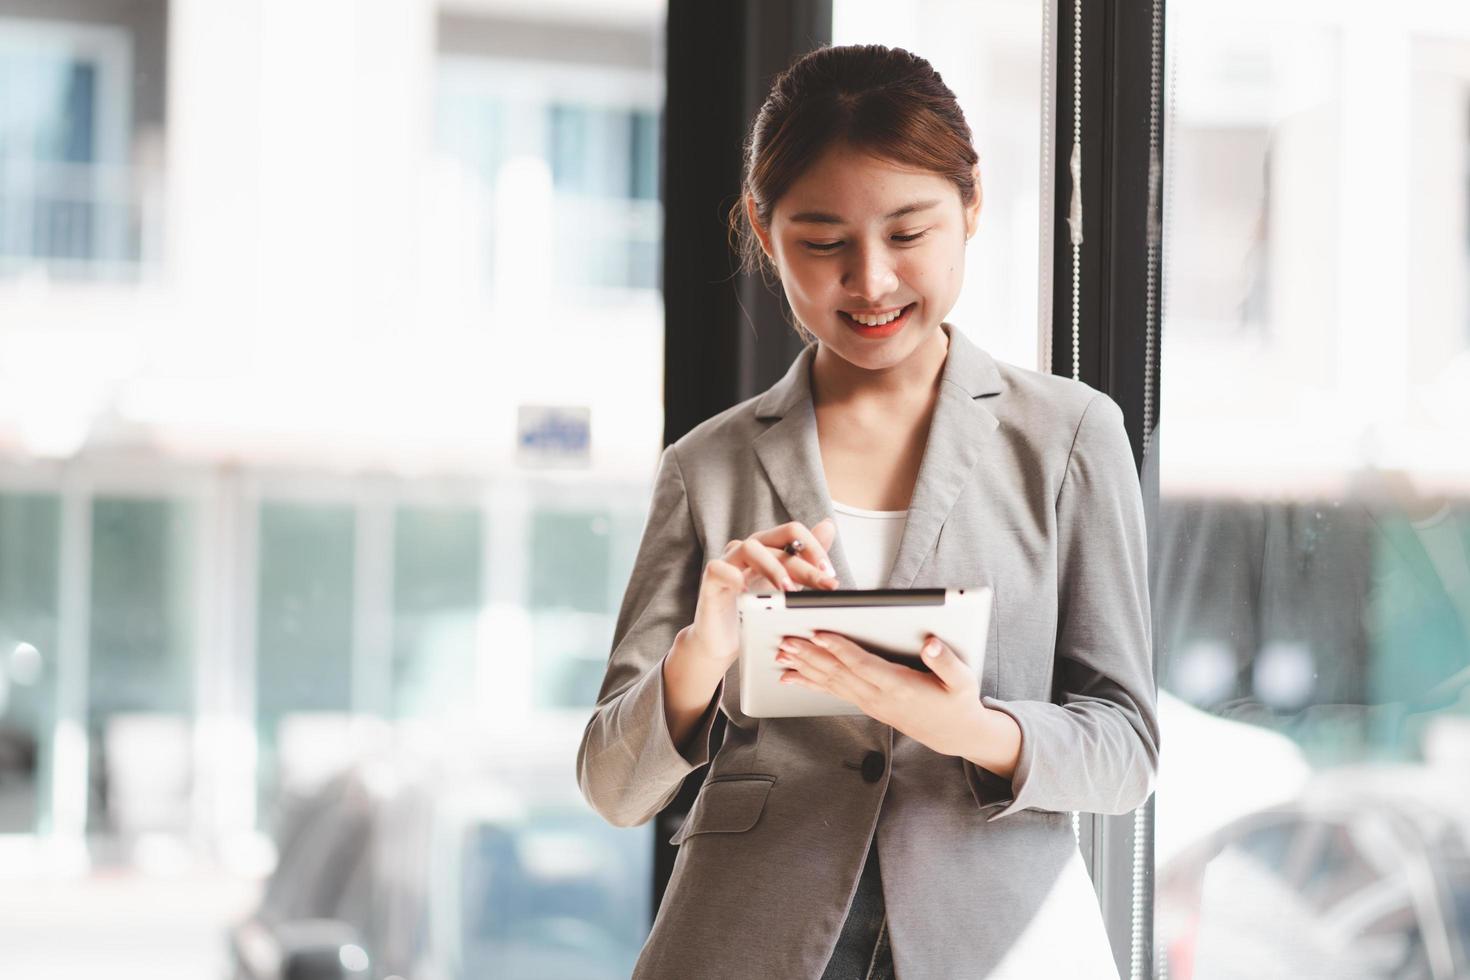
{"points": [[881, 330], [870, 314]]}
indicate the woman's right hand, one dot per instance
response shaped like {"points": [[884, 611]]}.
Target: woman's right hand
{"points": [[762, 556]]}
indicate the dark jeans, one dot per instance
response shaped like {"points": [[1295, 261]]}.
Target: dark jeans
{"points": [[862, 951]]}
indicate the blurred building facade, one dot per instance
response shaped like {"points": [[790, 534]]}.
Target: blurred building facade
{"points": [[274, 280]]}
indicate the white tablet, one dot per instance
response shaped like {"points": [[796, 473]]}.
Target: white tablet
{"points": [[892, 623]]}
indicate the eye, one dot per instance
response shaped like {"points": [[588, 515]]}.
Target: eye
{"points": [[911, 238], [821, 246]]}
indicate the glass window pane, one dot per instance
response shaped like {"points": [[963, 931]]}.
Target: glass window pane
{"points": [[1312, 576], [69, 206], [29, 560], [571, 607], [141, 667], [436, 603], [557, 144], [304, 642]]}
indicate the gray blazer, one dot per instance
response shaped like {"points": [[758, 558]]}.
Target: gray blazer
{"points": [[1027, 485]]}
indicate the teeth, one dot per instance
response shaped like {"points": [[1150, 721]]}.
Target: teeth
{"points": [[877, 321]]}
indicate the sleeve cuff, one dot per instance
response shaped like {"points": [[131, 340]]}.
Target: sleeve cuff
{"points": [[991, 790], [699, 739]]}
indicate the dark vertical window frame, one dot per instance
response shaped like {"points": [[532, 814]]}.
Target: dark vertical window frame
{"points": [[726, 336], [1118, 330]]}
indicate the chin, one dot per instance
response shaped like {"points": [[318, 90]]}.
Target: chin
{"points": [[876, 356]]}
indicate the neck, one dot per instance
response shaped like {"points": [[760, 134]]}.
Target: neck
{"points": [[915, 378]]}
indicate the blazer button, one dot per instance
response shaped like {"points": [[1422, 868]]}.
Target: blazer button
{"points": [[873, 766]]}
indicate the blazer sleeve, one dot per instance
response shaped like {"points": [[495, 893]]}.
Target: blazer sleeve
{"points": [[1098, 749], [627, 765]]}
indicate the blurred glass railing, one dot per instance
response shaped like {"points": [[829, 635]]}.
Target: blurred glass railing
{"points": [[78, 221]]}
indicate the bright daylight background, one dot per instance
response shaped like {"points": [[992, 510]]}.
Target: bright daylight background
{"points": [[330, 360], [1310, 563]]}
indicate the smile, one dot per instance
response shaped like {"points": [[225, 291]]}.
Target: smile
{"points": [[881, 324]]}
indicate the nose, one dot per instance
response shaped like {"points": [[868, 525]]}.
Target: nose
{"points": [[869, 275]]}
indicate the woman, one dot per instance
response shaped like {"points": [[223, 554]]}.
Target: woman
{"points": [[930, 837]]}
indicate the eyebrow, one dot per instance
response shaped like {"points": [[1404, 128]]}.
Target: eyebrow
{"points": [[823, 218]]}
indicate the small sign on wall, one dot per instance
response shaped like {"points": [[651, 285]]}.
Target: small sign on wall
{"points": [[554, 435]]}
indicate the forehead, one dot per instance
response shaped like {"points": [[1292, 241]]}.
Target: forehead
{"points": [[857, 186]]}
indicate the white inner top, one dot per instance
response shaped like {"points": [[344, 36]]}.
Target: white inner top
{"points": [[869, 541]]}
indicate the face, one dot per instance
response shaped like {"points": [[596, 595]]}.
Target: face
{"points": [[857, 238]]}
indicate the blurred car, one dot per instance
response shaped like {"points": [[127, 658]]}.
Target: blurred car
{"points": [[387, 872], [1366, 873]]}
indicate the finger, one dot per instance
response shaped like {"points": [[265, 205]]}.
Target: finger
{"points": [[814, 548], [754, 554], [826, 685], [751, 576], [947, 665], [805, 570], [723, 575], [873, 669], [817, 546], [821, 664], [757, 580], [795, 679]]}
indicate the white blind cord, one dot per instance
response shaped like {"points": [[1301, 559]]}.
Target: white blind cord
{"points": [[1074, 224]]}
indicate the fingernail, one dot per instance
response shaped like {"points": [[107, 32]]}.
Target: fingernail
{"points": [[827, 567], [786, 648], [931, 649], [790, 585], [821, 641]]}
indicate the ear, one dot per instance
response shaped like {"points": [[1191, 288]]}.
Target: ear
{"points": [[762, 234], [972, 211]]}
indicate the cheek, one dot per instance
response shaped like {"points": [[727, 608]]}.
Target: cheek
{"points": [[809, 281]]}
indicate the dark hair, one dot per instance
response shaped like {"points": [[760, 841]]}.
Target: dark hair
{"points": [[885, 101]]}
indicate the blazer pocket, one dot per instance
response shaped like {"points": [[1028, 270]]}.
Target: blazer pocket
{"points": [[727, 804]]}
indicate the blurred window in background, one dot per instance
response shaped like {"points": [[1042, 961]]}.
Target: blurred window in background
{"points": [[305, 672], [437, 585], [141, 676], [1312, 562], [29, 556], [533, 129], [314, 523], [571, 604], [77, 143]]}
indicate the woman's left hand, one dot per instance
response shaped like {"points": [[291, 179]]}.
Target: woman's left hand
{"points": [[940, 709]]}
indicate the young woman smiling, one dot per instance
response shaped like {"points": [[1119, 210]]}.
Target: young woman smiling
{"points": [[901, 455]]}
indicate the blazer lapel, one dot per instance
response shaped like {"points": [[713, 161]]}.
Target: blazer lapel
{"points": [[791, 455], [956, 439]]}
